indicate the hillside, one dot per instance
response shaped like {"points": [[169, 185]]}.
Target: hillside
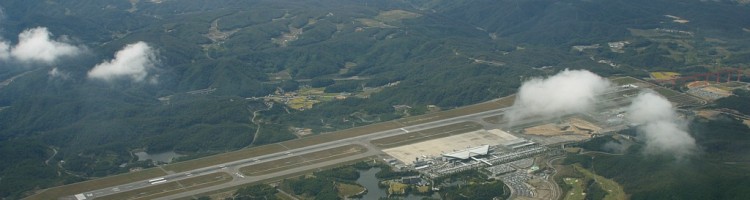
{"points": [[210, 64]]}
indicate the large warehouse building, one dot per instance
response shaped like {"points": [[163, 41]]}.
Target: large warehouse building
{"points": [[469, 152]]}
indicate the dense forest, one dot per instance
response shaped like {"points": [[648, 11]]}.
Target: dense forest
{"points": [[58, 125], [716, 172], [737, 102]]}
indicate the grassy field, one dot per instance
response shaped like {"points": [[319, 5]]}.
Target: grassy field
{"points": [[666, 92], [301, 103], [301, 160], [614, 190], [497, 119], [429, 134], [624, 80], [664, 75], [203, 180], [342, 134], [346, 190], [676, 97], [76, 188], [225, 157], [374, 23], [396, 15], [490, 105], [176, 187], [577, 192], [397, 188]]}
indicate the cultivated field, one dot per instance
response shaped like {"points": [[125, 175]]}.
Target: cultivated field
{"points": [[664, 75], [396, 15], [374, 23], [388, 19]]}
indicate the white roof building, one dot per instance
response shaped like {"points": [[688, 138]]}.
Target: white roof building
{"points": [[469, 152]]}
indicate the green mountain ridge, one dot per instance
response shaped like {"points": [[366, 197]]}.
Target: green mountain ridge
{"points": [[444, 53]]}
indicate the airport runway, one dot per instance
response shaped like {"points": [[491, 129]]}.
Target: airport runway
{"points": [[232, 168]]}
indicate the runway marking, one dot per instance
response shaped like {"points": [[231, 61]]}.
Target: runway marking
{"points": [[282, 145], [403, 129], [165, 171], [152, 191], [399, 122], [289, 165]]}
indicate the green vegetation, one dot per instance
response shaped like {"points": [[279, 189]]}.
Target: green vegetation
{"points": [[600, 187], [261, 191], [326, 184], [489, 190], [341, 173], [711, 174], [576, 192], [335, 183], [465, 176], [737, 102], [387, 173], [472, 185], [461, 52], [318, 188], [348, 190]]}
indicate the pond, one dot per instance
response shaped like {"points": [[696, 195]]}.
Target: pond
{"points": [[368, 180], [164, 157]]}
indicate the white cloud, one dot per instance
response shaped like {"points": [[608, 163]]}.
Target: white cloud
{"points": [[660, 127], [4, 50], [568, 92], [132, 62], [56, 73], [649, 107], [36, 45], [667, 137]]}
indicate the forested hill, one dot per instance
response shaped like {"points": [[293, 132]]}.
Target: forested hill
{"points": [[209, 64], [572, 22]]}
